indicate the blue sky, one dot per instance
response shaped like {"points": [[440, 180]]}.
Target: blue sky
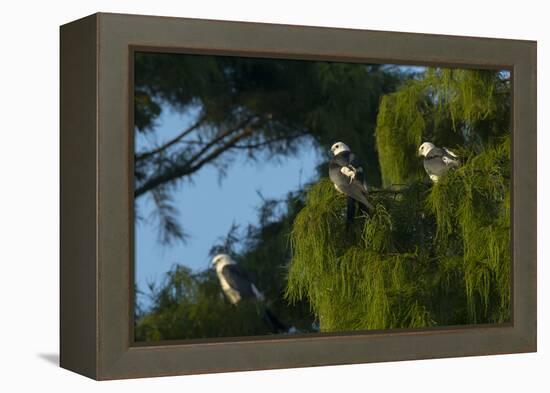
{"points": [[209, 207]]}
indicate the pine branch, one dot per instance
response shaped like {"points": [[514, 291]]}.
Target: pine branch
{"points": [[270, 141], [202, 157], [167, 216], [183, 134]]}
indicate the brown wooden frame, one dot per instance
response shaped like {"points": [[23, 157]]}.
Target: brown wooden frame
{"points": [[97, 195]]}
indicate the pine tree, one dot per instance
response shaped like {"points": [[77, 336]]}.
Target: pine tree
{"points": [[430, 254], [265, 109]]}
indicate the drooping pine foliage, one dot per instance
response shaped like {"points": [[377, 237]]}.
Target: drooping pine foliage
{"points": [[430, 254], [464, 109], [480, 213]]}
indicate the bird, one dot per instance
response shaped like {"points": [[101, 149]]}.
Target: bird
{"points": [[348, 177], [234, 281], [437, 160], [237, 287]]}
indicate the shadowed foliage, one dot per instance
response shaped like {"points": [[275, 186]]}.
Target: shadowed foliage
{"points": [[263, 109], [191, 305]]}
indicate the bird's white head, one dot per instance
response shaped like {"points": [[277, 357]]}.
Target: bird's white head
{"points": [[425, 148], [222, 258], [339, 147]]}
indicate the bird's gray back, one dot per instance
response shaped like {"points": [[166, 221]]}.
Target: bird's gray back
{"points": [[238, 280], [435, 166], [438, 161]]}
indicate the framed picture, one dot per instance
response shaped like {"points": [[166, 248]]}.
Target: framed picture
{"points": [[242, 196]]}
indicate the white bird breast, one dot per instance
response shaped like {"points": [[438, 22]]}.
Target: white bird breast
{"points": [[232, 294]]}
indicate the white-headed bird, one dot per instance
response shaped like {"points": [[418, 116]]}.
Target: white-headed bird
{"points": [[234, 281], [348, 177], [238, 287], [437, 160]]}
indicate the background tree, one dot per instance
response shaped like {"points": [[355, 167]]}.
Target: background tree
{"points": [[192, 305], [264, 109], [430, 254]]}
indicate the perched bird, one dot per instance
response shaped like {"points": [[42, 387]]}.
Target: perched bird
{"points": [[235, 283], [437, 161], [237, 287], [348, 177]]}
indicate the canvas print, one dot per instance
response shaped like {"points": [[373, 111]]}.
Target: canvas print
{"points": [[295, 197]]}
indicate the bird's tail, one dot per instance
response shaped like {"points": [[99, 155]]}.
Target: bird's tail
{"points": [[273, 322], [366, 207], [360, 193], [350, 212]]}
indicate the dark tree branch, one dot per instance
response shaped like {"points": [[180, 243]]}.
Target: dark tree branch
{"points": [[269, 141], [183, 134], [221, 136], [385, 191], [203, 156], [166, 214]]}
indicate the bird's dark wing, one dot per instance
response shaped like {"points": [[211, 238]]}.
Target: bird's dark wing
{"points": [[353, 160], [238, 280], [450, 158], [450, 153], [435, 152], [342, 159], [348, 160], [438, 160], [357, 191], [445, 154], [273, 322], [356, 164]]}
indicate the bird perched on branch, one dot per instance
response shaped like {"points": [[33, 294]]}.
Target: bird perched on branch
{"points": [[348, 177], [437, 161], [238, 287]]}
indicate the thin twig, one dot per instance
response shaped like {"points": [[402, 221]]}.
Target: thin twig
{"points": [[189, 167], [267, 142], [171, 142]]}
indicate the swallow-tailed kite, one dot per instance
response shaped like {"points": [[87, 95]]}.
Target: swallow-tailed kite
{"points": [[348, 176], [237, 287], [437, 161], [235, 283]]}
